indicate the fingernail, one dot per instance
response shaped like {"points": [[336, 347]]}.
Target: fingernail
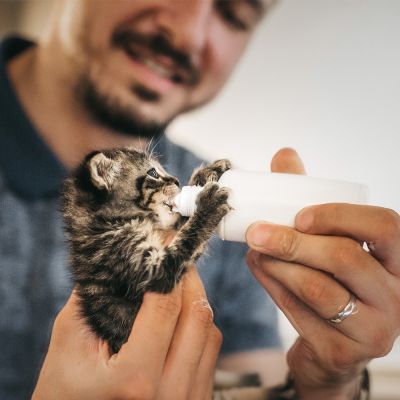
{"points": [[258, 234], [305, 219]]}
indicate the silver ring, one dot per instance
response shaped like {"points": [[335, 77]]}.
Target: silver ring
{"points": [[371, 246], [349, 309]]}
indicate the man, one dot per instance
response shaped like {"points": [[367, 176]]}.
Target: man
{"points": [[109, 74], [102, 73]]}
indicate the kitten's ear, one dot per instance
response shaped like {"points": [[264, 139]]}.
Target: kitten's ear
{"points": [[103, 171]]}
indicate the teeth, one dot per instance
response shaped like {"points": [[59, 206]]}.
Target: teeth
{"points": [[157, 68]]}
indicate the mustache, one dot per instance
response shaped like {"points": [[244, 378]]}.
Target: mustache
{"points": [[161, 45]]}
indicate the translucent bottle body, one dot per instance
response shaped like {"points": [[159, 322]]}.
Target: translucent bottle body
{"points": [[274, 197]]}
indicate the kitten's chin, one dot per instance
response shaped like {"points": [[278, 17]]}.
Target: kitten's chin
{"points": [[167, 218]]}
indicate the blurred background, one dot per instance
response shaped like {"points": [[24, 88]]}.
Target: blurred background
{"points": [[320, 76]]}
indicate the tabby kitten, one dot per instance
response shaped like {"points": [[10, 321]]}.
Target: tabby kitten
{"points": [[117, 208]]}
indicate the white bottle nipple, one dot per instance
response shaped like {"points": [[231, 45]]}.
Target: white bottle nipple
{"points": [[185, 202]]}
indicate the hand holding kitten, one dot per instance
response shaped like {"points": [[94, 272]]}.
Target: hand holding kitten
{"points": [[173, 340]]}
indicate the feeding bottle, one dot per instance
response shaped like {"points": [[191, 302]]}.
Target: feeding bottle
{"points": [[272, 197]]}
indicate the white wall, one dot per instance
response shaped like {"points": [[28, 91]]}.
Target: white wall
{"points": [[322, 76]]}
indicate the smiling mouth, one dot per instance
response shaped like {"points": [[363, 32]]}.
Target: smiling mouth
{"points": [[155, 65], [156, 56]]}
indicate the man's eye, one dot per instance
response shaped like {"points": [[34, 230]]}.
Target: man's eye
{"points": [[239, 14], [231, 18], [153, 173]]}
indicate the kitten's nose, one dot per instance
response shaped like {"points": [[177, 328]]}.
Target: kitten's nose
{"points": [[171, 180]]}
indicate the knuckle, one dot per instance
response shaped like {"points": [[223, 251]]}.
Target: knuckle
{"points": [[340, 362], [315, 291], [391, 225], [307, 352], [202, 314], [347, 253], [340, 357], [289, 243], [289, 301]]}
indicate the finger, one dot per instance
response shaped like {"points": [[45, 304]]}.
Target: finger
{"points": [[204, 379], [328, 344], [380, 227], [288, 161], [189, 341], [192, 288], [374, 339], [307, 323], [320, 292], [151, 336], [342, 257]]}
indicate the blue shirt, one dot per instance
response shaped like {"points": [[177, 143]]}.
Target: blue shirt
{"points": [[34, 279]]}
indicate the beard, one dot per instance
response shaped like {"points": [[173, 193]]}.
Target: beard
{"points": [[109, 112]]}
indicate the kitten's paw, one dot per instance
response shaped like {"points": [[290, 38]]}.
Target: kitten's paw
{"points": [[213, 199], [211, 173], [221, 166]]}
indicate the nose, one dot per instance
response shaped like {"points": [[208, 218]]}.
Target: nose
{"points": [[186, 23]]}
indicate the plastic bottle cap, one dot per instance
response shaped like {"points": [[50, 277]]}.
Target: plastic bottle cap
{"points": [[185, 201]]}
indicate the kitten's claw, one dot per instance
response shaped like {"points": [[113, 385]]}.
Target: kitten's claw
{"points": [[221, 166], [211, 173]]}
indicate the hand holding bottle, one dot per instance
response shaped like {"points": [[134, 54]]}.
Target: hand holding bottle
{"points": [[312, 271], [274, 197]]}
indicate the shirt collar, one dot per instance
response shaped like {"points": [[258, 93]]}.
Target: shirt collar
{"points": [[28, 165]]}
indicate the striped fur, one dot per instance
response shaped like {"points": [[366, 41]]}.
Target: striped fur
{"points": [[117, 218]]}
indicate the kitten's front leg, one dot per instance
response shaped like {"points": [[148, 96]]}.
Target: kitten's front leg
{"points": [[189, 242], [211, 173], [212, 206]]}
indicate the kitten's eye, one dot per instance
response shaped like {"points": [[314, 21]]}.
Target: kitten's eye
{"points": [[153, 173]]}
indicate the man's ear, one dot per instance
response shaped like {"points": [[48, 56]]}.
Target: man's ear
{"points": [[103, 171]]}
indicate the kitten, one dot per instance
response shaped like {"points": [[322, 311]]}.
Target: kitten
{"points": [[117, 208]]}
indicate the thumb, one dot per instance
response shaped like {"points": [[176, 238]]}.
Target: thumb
{"points": [[288, 161]]}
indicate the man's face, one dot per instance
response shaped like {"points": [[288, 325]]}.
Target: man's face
{"points": [[149, 60]]}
